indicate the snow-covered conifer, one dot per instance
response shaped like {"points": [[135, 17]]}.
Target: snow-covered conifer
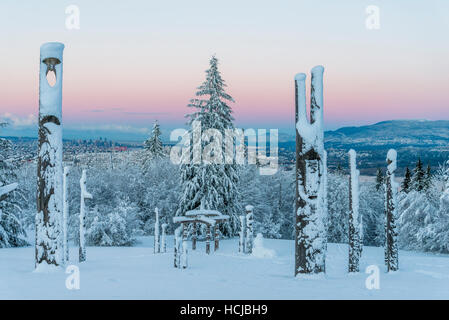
{"points": [[427, 182], [12, 232], [338, 207], [418, 177], [107, 229], [407, 181], [379, 179], [207, 179], [153, 147]]}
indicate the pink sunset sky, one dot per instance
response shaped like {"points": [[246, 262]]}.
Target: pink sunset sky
{"points": [[132, 62]]}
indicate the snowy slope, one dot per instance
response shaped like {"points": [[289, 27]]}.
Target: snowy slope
{"points": [[137, 273]]}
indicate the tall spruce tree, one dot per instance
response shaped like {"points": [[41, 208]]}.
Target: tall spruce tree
{"points": [[379, 179], [407, 180], [211, 184], [153, 145], [153, 148], [427, 182], [418, 176]]}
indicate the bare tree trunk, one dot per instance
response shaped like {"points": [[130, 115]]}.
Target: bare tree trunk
{"points": [[48, 247], [391, 186], [310, 240], [84, 195]]}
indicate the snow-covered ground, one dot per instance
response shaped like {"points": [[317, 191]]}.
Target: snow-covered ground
{"points": [[137, 273]]}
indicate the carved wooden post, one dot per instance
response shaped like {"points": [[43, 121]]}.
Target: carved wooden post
{"points": [[163, 238], [65, 215], [217, 237], [249, 229], [156, 232], [84, 195], [194, 236], [391, 187], [208, 236], [310, 240], [242, 234], [48, 246], [184, 246], [177, 247]]}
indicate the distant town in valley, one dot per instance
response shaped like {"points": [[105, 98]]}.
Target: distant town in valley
{"points": [[413, 139]]}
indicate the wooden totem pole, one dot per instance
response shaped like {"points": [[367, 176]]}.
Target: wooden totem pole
{"points": [[48, 246], [311, 180]]}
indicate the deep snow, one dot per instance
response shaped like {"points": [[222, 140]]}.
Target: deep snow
{"points": [[138, 273]]}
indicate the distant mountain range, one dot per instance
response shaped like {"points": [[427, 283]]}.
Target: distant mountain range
{"points": [[394, 132], [426, 139]]}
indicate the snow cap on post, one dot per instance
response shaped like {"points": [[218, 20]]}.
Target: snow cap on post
{"points": [[50, 97], [391, 160], [352, 158]]}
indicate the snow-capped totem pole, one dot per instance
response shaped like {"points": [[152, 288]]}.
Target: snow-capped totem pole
{"points": [[65, 215], [249, 229], [48, 250], [311, 211], [157, 247], [391, 232], [164, 238], [84, 195], [242, 234], [355, 219]]}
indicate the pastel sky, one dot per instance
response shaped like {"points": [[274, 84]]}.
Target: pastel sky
{"points": [[135, 61]]}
